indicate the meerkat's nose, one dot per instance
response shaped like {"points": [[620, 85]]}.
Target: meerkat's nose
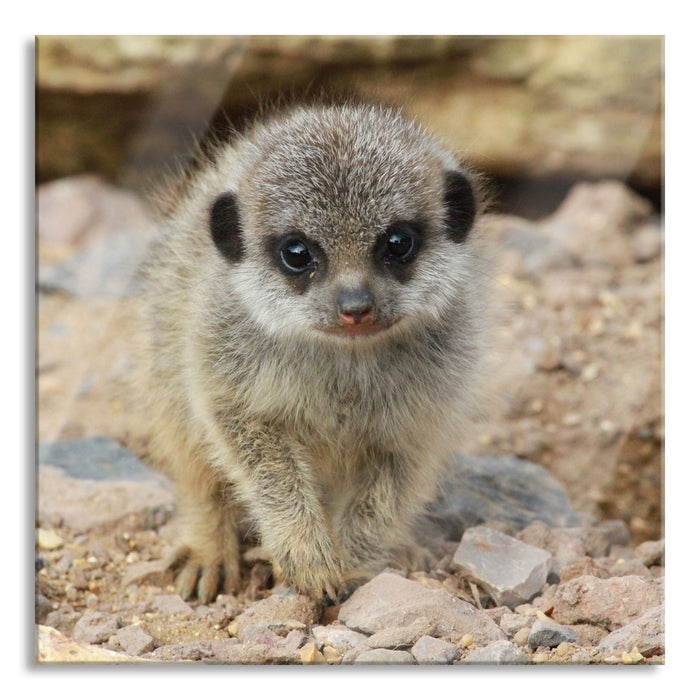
{"points": [[355, 306]]}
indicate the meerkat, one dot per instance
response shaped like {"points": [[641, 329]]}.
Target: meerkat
{"points": [[314, 303]]}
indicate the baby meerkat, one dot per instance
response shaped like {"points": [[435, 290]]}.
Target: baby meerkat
{"points": [[315, 316]]}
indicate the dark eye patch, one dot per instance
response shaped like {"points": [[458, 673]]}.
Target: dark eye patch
{"points": [[225, 227], [460, 202]]}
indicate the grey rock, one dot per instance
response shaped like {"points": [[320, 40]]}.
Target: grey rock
{"points": [[647, 633], [599, 538], [42, 607], [501, 653], [536, 252], [385, 656], [510, 571], [429, 650], [106, 267], [97, 458], [171, 604], [389, 600], [96, 627], [135, 640], [340, 637], [547, 633], [505, 489]]}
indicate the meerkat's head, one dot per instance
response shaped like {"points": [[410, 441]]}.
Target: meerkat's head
{"points": [[343, 224]]}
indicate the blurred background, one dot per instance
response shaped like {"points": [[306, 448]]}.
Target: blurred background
{"points": [[568, 128], [535, 113]]}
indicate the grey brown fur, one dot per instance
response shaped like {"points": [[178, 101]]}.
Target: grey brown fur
{"points": [[263, 402]]}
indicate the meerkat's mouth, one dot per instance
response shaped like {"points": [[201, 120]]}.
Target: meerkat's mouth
{"points": [[360, 329]]}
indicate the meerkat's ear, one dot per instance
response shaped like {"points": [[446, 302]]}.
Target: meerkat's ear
{"points": [[460, 202], [225, 226]]}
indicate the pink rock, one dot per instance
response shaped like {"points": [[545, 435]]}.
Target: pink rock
{"points": [[389, 600], [610, 603]]}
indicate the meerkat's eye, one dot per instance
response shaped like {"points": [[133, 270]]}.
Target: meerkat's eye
{"points": [[296, 256], [400, 242]]}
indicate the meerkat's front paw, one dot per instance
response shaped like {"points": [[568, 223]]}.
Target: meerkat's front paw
{"points": [[316, 573], [206, 578]]}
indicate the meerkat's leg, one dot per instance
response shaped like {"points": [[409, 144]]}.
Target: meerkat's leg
{"points": [[280, 489], [209, 544], [389, 493]]}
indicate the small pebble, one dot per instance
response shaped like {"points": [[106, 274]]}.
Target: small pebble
{"points": [[521, 636], [48, 539], [429, 650], [331, 655], [310, 654]]}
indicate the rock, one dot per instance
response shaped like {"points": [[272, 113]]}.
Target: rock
{"points": [[521, 636], [186, 651], [647, 243], [564, 548], [104, 269], [543, 106], [510, 571], [532, 252], [171, 604], [429, 650], [311, 655], [96, 627], [85, 505], [231, 651], [611, 603], [63, 619], [275, 611], [390, 600], [48, 539], [97, 459], [338, 636], [52, 647], [396, 637], [547, 633], [500, 652], [647, 633], [73, 209], [511, 623], [651, 552], [385, 656], [42, 608], [505, 489], [627, 567], [583, 567], [135, 640], [595, 221]]}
